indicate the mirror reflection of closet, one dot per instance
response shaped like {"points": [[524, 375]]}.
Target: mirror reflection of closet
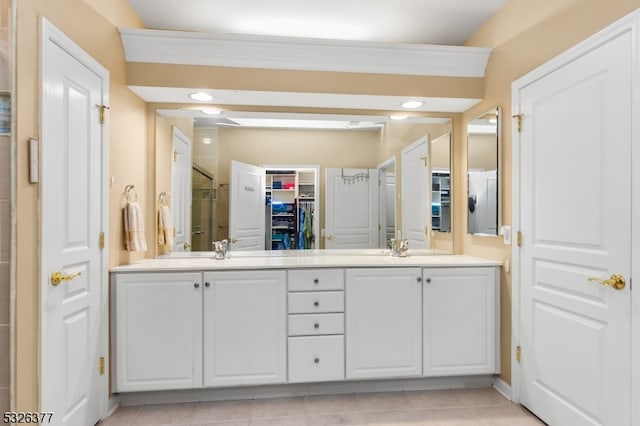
{"points": [[483, 192], [387, 201], [441, 184]]}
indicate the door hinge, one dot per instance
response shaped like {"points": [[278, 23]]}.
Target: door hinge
{"points": [[103, 113], [518, 353], [379, 183], [379, 227], [426, 230], [101, 240], [518, 118], [101, 365], [519, 238]]}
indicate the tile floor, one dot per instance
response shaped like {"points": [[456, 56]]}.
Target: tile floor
{"points": [[483, 407]]}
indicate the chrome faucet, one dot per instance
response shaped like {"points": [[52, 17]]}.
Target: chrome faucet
{"points": [[221, 249], [399, 248]]}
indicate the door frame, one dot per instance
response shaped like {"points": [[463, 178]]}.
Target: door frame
{"points": [[49, 33], [177, 134], [630, 23], [382, 200]]}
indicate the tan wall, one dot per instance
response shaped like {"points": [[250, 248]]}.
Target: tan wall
{"points": [[524, 36], [482, 152], [127, 151]]}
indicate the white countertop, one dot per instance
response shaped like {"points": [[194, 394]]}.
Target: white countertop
{"points": [[203, 261]]}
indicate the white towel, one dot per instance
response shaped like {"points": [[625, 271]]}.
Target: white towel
{"points": [[165, 226], [134, 227]]}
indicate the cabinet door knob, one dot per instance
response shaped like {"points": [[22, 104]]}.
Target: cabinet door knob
{"points": [[316, 360], [196, 285], [428, 280], [316, 280], [207, 284], [316, 325], [419, 279], [316, 303]]}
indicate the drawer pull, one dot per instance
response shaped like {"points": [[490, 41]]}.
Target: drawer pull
{"points": [[316, 281], [207, 284], [316, 325], [316, 360], [316, 303], [428, 280], [196, 285]]}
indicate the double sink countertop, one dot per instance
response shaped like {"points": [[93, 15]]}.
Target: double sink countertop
{"points": [[298, 259]]}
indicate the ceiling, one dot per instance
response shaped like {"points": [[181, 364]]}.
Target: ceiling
{"points": [[417, 22]]}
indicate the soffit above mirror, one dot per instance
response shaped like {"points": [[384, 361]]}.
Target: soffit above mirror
{"points": [[303, 54]]}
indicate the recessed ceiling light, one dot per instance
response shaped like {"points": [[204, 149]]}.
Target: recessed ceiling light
{"points": [[200, 96], [211, 111], [398, 117], [412, 104]]}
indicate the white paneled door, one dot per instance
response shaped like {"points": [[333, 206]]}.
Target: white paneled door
{"points": [[351, 208], [73, 268], [575, 215], [416, 194], [181, 190], [247, 207]]}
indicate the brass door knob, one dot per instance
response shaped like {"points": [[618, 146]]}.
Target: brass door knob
{"points": [[329, 237], [57, 277], [616, 281]]}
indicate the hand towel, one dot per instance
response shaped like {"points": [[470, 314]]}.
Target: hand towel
{"points": [[165, 226], [134, 227]]}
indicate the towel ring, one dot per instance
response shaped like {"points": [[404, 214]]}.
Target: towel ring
{"points": [[128, 190]]}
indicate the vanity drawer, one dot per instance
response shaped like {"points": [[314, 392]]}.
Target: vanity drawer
{"points": [[316, 302], [316, 359], [316, 324], [316, 279]]}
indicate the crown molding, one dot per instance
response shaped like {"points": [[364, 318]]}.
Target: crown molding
{"points": [[193, 48]]}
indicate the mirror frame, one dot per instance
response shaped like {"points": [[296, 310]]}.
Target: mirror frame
{"points": [[498, 112]]}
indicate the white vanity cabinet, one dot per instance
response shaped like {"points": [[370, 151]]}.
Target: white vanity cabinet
{"points": [[316, 325], [245, 327], [383, 322], [157, 331], [460, 321]]}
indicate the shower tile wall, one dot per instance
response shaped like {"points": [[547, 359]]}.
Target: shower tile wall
{"points": [[203, 207]]}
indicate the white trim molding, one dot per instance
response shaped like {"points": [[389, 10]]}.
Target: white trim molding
{"points": [[193, 48]]}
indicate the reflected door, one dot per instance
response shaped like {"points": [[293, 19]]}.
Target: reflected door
{"points": [[351, 209], [575, 150], [246, 207], [416, 194], [181, 190]]}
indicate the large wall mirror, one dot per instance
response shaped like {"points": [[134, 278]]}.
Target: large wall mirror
{"points": [[483, 171], [352, 152]]}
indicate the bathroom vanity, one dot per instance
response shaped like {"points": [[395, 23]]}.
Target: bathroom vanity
{"points": [[302, 317]]}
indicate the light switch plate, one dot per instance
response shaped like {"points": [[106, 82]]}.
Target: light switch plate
{"points": [[34, 161], [505, 231]]}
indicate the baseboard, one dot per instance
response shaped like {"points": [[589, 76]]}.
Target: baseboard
{"points": [[290, 390], [503, 387]]}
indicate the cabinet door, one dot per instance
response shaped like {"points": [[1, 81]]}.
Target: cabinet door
{"points": [[383, 322], [157, 331], [461, 315], [245, 329]]}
